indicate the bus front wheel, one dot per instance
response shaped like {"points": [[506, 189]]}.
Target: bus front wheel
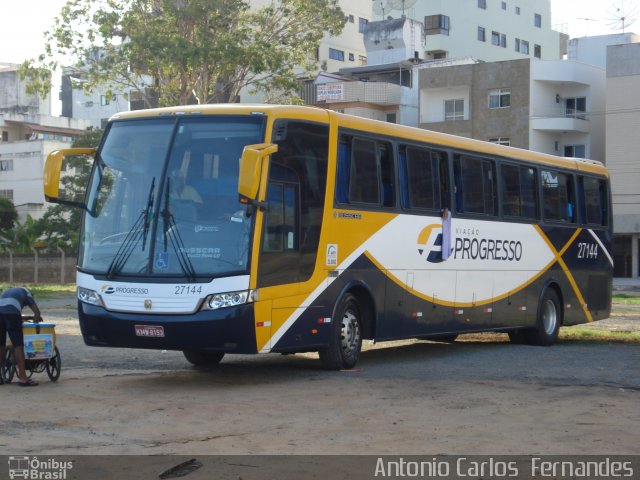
{"points": [[549, 318], [346, 336], [203, 359]]}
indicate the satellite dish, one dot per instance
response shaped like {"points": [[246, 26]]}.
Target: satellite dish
{"points": [[401, 4], [621, 17], [379, 7]]}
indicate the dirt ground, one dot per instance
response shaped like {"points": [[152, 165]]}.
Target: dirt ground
{"points": [[480, 395]]}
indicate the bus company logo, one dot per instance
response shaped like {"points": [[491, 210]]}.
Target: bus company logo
{"points": [[424, 241], [108, 289], [33, 468]]}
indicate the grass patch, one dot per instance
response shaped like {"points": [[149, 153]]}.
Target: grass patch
{"points": [[586, 334], [625, 299], [45, 292]]}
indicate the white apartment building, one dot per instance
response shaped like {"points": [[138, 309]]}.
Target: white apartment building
{"points": [[623, 153], [28, 133], [489, 30], [96, 107], [593, 50]]}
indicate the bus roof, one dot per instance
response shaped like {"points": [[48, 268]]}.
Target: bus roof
{"points": [[369, 125]]}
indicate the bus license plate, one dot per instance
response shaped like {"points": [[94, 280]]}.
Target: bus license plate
{"points": [[149, 331]]}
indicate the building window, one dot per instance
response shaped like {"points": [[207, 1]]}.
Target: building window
{"points": [[537, 51], [517, 10], [352, 57], [575, 151], [500, 98], [392, 117], [524, 47], [503, 40], [104, 100], [8, 194], [454, 109], [5, 136], [436, 24], [482, 34], [6, 165], [482, 4], [439, 55], [336, 54], [362, 24], [537, 20], [495, 38], [501, 140], [575, 107], [504, 5], [351, 19]]}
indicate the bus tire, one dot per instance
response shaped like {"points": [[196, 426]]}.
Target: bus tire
{"points": [[346, 336], [548, 321], [203, 359]]}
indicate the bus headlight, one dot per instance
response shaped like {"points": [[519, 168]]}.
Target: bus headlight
{"points": [[229, 299], [89, 296]]}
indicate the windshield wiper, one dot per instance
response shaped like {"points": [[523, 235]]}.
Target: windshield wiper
{"points": [[170, 231], [147, 212], [139, 230]]}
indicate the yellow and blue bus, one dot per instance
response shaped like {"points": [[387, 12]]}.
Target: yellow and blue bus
{"points": [[216, 229]]}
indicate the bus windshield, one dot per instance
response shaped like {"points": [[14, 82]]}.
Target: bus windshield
{"points": [[163, 198]]}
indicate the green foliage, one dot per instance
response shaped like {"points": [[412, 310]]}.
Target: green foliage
{"points": [[23, 236], [8, 215], [196, 51], [38, 78]]}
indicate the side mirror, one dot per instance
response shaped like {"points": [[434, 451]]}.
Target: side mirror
{"points": [[255, 158], [52, 170]]}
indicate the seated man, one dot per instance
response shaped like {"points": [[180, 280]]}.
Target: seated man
{"points": [[181, 191]]}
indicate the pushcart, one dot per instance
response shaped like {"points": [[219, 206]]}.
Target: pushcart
{"points": [[40, 351]]}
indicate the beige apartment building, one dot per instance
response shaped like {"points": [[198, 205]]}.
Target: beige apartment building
{"points": [[544, 106]]}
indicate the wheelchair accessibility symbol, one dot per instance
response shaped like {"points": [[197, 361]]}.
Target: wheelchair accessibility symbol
{"points": [[161, 262]]}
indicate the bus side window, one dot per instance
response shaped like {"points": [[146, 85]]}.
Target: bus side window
{"points": [[475, 185], [385, 160], [518, 191], [424, 182], [558, 196], [593, 203], [363, 181]]}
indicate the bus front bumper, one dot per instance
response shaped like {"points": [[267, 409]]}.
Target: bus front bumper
{"points": [[229, 330]]}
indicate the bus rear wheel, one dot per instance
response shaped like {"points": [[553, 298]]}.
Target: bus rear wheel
{"points": [[203, 359], [549, 319], [346, 336]]}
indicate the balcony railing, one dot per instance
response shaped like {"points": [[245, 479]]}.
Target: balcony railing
{"points": [[378, 93]]}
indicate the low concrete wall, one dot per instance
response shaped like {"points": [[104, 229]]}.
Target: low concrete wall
{"points": [[23, 268]]}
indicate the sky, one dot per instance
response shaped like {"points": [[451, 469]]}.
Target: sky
{"points": [[22, 23]]}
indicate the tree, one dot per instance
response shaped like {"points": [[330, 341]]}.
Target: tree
{"points": [[195, 51], [8, 215], [60, 224], [22, 236]]}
